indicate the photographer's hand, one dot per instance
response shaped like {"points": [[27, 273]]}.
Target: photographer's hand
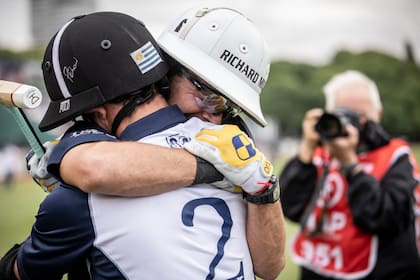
{"points": [[344, 148], [310, 138]]}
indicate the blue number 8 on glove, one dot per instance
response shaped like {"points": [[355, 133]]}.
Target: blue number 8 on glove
{"points": [[234, 155]]}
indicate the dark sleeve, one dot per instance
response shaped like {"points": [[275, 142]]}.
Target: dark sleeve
{"points": [[61, 237], [297, 183], [79, 272], [384, 207], [79, 133]]}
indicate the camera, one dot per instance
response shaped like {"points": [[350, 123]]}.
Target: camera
{"points": [[332, 125]]}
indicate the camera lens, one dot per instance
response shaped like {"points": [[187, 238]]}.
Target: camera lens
{"points": [[329, 126]]}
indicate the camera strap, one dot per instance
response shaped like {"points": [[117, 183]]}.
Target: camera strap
{"points": [[319, 222]]}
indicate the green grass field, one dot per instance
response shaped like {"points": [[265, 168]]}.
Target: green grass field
{"points": [[19, 205]]}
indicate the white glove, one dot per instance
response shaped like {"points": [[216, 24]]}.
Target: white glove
{"points": [[226, 186], [234, 155], [37, 167]]}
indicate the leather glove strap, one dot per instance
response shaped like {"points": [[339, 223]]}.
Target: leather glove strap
{"points": [[206, 172]]}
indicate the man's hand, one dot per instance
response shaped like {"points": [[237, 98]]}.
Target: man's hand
{"points": [[234, 155], [344, 148], [37, 167], [310, 137], [308, 126]]}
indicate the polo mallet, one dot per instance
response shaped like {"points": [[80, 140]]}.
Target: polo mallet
{"points": [[15, 97]]}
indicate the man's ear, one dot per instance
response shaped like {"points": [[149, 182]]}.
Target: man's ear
{"points": [[99, 115]]}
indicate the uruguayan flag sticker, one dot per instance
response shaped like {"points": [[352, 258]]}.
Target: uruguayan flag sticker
{"points": [[146, 57]]}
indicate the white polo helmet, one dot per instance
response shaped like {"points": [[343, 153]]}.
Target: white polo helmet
{"points": [[225, 49]]}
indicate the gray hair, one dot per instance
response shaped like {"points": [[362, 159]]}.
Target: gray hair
{"points": [[344, 79]]}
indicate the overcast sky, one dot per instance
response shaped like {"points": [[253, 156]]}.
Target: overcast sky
{"points": [[299, 30], [308, 30]]}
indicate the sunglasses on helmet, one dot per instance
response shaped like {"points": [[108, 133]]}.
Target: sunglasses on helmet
{"points": [[213, 102]]}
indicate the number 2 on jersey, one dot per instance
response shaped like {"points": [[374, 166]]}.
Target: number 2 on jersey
{"points": [[223, 210]]}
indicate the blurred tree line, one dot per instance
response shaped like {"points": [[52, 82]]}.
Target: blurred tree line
{"points": [[292, 89]]}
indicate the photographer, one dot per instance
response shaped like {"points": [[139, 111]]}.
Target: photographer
{"points": [[351, 188]]}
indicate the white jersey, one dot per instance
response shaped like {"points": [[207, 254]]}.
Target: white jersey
{"points": [[196, 232]]}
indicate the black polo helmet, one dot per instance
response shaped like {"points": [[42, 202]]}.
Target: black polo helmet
{"points": [[97, 58]]}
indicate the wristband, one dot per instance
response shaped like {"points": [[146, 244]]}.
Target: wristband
{"points": [[270, 195], [206, 173]]}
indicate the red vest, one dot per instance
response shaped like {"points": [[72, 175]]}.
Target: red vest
{"points": [[341, 249]]}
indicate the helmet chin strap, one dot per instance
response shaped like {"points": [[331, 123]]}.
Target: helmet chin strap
{"points": [[129, 107]]}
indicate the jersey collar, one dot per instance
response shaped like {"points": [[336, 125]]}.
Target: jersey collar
{"points": [[156, 122]]}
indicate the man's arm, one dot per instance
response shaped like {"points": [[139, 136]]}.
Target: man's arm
{"points": [[266, 237], [127, 168], [297, 184], [94, 161], [384, 207]]}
